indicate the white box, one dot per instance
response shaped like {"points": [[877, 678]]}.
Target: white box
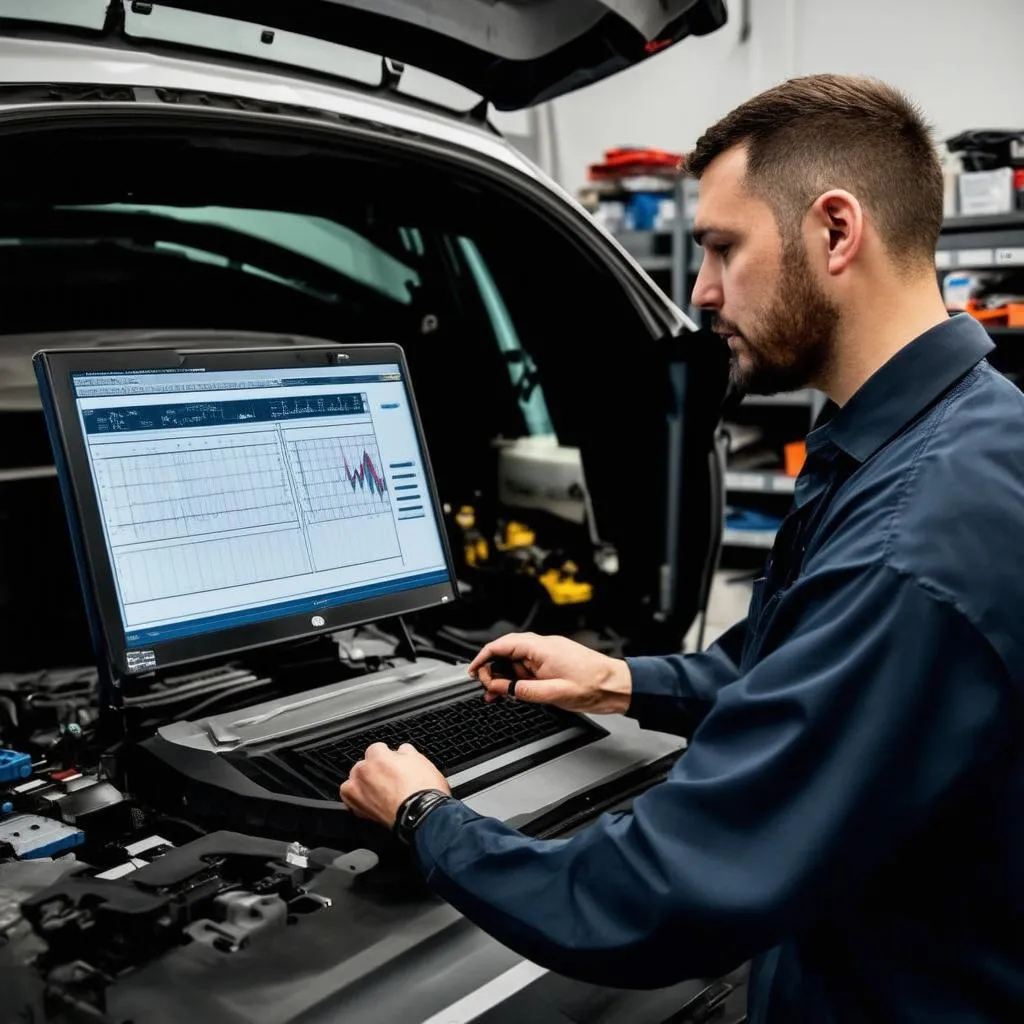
{"points": [[985, 192]]}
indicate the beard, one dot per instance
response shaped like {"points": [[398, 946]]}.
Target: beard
{"points": [[788, 345]]}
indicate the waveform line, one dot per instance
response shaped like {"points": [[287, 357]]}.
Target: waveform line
{"points": [[364, 469]]}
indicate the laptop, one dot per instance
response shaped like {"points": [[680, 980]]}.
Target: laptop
{"points": [[226, 502]]}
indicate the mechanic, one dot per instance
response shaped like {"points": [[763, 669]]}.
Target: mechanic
{"points": [[847, 814]]}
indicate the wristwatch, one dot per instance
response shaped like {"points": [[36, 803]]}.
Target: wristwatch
{"points": [[414, 809]]}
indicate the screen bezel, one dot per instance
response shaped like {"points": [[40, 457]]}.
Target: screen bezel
{"points": [[85, 521]]}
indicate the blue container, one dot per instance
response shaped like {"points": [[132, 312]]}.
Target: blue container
{"points": [[14, 766]]}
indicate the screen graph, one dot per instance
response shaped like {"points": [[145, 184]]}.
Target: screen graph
{"points": [[186, 515], [340, 477], [230, 497], [178, 489], [343, 497]]}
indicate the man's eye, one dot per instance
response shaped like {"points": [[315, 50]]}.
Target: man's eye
{"points": [[721, 250]]}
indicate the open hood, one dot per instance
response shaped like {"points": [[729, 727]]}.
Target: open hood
{"points": [[512, 52]]}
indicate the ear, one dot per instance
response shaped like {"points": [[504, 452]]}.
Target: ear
{"points": [[838, 215]]}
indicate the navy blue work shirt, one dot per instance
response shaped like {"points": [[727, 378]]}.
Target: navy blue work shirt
{"points": [[850, 812]]}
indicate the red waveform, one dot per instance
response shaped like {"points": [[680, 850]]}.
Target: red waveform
{"points": [[365, 470]]}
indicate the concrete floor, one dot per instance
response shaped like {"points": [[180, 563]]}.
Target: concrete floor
{"points": [[730, 595]]}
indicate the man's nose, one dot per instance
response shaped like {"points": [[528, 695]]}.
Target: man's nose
{"points": [[707, 289]]}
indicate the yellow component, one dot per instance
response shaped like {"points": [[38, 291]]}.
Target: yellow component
{"points": [[517, 535], [476, 550], [466, 517], [563, 586]]}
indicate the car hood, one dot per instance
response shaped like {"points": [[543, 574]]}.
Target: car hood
{"points": [[515, 53]]}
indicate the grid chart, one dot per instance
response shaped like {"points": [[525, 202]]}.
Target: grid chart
{"points": [[340, 477], [193, 492], [196, 495], [344, 497], [180, 569]]}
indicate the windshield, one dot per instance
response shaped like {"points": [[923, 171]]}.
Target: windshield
{"points": [[335, 246], [148, 264]]}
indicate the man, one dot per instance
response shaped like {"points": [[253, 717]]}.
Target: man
{"points": [[848, 813]]}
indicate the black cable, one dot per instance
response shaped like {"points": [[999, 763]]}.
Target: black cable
{"points": [[464, 645], [429, 651], [530, 616], [167, 819]]}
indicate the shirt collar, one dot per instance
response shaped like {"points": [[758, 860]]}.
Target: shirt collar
{"points": [[903, 388]]}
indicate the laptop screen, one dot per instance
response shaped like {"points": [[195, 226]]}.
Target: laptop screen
{"points": [[230, 498]]}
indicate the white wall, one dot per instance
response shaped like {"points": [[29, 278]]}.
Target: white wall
{"points": [[962, 60]]}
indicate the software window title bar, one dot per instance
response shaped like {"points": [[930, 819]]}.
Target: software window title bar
{"points": [[176, 382]]}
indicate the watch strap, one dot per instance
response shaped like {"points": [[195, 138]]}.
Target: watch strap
{"points": [[414, 809]]}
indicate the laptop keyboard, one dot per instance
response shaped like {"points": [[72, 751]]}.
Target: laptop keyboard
{"points": [[454, 736]]}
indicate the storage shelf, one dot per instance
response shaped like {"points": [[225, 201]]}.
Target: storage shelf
{"points": [[18, 473], [668, 249], [985, 257], [759, 481], [654, 263], [748, 538], [646, 245], [805, 397], [994, 221]]}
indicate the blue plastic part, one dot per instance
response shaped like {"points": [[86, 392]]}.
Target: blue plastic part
{"points": [[6, 807], [14, 766], [748, 519], [31, 836], [65, 842]]}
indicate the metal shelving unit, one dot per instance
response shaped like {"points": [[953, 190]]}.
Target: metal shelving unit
{"points": [[975, 243], [968, 243], [767, 485], [811, 399], [982, 243], [670, 250]]}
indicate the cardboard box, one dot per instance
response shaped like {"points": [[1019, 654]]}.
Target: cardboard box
{"points": [[986, 192]]}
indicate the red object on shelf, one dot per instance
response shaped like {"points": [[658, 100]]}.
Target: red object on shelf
{"points": [[626, 163], [1009, 315], [795, 454]]}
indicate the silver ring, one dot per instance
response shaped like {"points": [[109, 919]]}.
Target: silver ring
{"points": [[511, 692]]}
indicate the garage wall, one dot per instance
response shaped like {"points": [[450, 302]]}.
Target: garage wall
{"points": [[961, 62]]}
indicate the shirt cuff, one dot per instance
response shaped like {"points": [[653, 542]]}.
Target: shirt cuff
{"points": [[656, 699], [437, 831]]}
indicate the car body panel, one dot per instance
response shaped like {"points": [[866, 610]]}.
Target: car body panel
{"points": [[515, 53]]}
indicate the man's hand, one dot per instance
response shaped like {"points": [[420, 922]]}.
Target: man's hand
{"points": [[556, 670], [377, 785]]}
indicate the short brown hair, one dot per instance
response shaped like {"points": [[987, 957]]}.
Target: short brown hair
{"points": [[811, 134]]}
